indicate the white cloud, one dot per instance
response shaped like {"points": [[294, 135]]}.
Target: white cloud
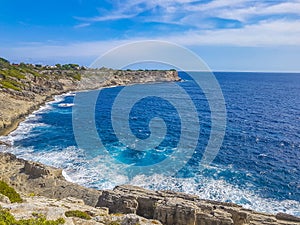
{"points": [[280, 32], [130, 9], [275, 33], [115, 16], [261, 9], [266, 33], [80, 49], [188, 13], [82, 25]]}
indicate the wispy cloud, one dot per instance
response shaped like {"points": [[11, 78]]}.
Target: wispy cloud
{"points": [[81, 25], [267, 34], [192, 23], [195, 16], [131, 9], [286, 9], [245, 23], [115, 16]]}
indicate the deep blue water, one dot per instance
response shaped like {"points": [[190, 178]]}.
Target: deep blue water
{"points": [[257, 166]]}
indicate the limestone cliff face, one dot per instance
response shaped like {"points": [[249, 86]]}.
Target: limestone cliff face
{"points": [[132, 205], [34, 90]]}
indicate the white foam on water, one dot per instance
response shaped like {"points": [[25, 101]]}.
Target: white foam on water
{"points": [[23, 130], [100, 173], [30, 121], [96, 173], [219, 190]]}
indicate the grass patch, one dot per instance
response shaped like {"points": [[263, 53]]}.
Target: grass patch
{"points": [[6, 218], [77, 76], [9, 192], [4, 62], [10, 84], [13, 72], [31, 194], [114, 223], [25, 69], [78, 213]]}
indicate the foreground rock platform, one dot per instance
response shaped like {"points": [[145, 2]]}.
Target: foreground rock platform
{"points": [[54, 209], [132, 205]]}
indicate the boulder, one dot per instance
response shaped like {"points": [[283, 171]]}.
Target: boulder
{"points": [[172, 208], [35, 170], [284, 216], [4, 199]]}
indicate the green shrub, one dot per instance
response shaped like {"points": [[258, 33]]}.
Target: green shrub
{"points": [[114, 223], [34, 73], [6, 218], [10, 84], [14, 72], [4, 62], [77, 213], [29, 69], [40, 221], [9, 192], [77, 76]]}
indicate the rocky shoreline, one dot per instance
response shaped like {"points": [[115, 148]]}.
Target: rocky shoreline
{"points": [[34, 91], [46, 191]]}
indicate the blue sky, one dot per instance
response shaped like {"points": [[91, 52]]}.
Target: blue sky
{"points": [[244, 35]]}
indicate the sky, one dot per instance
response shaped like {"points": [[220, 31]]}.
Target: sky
{"points": [[229, 35]]}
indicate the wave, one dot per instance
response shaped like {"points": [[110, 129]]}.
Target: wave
{"points": [[23, 129], [218, 190], [32, 121], [100, 174]]}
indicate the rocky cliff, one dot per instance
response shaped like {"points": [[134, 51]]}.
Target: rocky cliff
{"points": [[123, 205]]}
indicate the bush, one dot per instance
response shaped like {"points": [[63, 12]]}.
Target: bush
{"points": [[4, 62], [77, 213], [10, 84], [114, 223], [77, 76], [16, 73], [9, 192], [6, 218]]}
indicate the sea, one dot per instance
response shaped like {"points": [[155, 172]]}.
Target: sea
{"points": [[257, 164]]}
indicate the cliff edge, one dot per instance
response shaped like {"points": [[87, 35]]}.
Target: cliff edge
{"points": [[123, 204]]}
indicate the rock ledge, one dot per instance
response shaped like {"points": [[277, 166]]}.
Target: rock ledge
{"points": [[125, 204]]}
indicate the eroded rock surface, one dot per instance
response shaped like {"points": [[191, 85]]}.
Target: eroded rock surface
{"points": [[129, 204], [181, 209], [54, 209], [38, 179]]}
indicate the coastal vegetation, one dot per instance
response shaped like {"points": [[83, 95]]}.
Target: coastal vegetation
{"points": [[78, 214], [13, 76], [9, 192], [6, 218]]}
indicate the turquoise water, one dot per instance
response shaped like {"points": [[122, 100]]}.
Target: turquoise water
{"points": [[257, 166]]}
